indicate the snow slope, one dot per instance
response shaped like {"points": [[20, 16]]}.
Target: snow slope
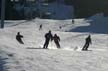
{"points": [[31, 57]]}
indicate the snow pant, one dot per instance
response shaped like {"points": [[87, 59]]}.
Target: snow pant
{"points": [[57, 44], [46, 44], [85, 46], [20, 41], [40, 28]]}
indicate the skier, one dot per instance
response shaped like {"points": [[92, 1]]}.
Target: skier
{"points": [[48, 37], [60, 27], [88, 41], [56, 39], [40, 27], [73, 21], [18, 38]]}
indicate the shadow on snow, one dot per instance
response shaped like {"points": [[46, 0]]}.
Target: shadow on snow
{"points": [[96, 26], [33, 48], [2, 62]]}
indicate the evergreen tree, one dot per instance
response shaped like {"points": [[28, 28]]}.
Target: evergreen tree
{"points": [[8, 9], [0, 9]]}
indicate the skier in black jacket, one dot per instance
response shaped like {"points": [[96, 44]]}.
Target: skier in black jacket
{"points": [[48, 37], [88, 42], [19, 38], [40, 27], [56, 39]]}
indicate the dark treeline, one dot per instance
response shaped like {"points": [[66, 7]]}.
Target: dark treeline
{"points": [[10, 13], [82, 8], [86, 8]]}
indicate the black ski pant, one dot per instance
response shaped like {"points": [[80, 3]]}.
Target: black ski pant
{"points": [[85, 46], [20, 41], [57, 44], [46, 44]]}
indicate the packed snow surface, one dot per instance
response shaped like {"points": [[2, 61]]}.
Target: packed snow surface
{"points": [[31, 56]]}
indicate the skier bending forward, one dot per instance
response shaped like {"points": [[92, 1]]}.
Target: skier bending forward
{"points": [[56, 39]]}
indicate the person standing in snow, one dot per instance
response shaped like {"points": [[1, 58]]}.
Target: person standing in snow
{"points": [[19, 38], [48, 37], [40, 27], [56, 39], [60, 27], [73, 21], [88, 42]]}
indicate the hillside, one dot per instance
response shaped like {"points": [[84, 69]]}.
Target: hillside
{"points": [[31, 57]]}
